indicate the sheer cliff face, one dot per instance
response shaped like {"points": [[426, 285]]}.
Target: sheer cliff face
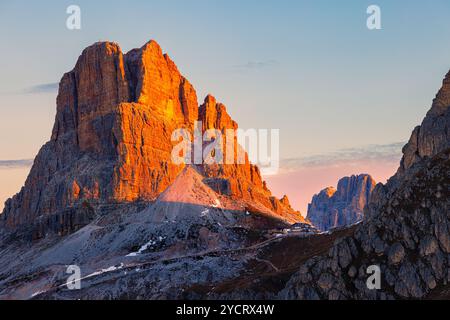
{"points": [[433, 135], [427, 140], [111, 141], [333, 208], [242, 181]]}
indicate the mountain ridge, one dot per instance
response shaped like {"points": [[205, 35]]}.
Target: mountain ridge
{"points": [[406, 230], [213, 232]]}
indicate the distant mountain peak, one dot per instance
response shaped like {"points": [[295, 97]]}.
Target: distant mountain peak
{"points": [[343, 206]]}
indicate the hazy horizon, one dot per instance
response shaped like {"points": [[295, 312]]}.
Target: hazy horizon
{"points": [[298, 178], [311, 69]]}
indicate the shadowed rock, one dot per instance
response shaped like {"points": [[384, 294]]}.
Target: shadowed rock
{"points": [[406, 231], [333, 208]]}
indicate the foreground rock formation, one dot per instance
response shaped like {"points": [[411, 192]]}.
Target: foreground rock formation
{"points": [[111, 142], [406, 231], [340, 207]]}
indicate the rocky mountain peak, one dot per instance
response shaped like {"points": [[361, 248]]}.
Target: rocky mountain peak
{"points": [[442, 100], [433, 135], [214, 115], [285, 200], [111, 141], [355, 187], [343, 206]]}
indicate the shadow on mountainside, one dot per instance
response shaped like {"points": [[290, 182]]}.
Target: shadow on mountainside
{"points": [[134, 238]]}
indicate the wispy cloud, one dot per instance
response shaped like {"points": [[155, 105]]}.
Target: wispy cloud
{"points": [[388, 153], [36, 89], [255, 65], [42, 88], [22, 163]]}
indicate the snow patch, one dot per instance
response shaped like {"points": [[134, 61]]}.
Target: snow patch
{"points": [[109, 269], [145, 247], [37, 293]]}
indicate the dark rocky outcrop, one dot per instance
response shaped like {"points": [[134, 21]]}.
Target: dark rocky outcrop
{"points": [[406, 232], [433, 135]]}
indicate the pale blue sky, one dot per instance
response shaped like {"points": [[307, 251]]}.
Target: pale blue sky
{"points": [[310, 68]]}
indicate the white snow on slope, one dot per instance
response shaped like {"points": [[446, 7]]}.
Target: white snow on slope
{"points": [[145, 247], [102, 271]]}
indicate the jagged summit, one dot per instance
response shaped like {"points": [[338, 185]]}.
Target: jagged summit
{"points": [[111, 141], [433, 135], [343, 206]]}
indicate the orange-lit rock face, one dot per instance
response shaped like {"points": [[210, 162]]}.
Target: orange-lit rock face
{"points": [[165, 101], [157, 83], [88, 94], [244, 179], [111, 141], [144, 167]]}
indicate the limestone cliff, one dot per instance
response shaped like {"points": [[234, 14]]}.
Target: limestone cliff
{"points": [[111, 141], [333, 208]]}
